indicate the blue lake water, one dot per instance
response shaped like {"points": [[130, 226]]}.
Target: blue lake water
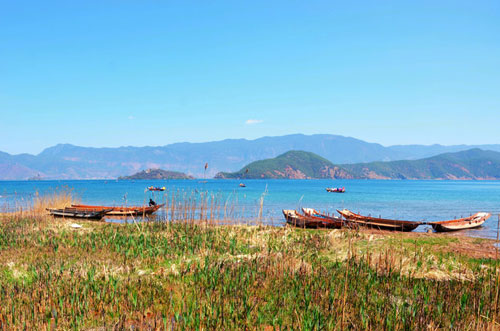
{"points": [[407, 200]]}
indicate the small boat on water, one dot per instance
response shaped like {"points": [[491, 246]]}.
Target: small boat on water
{"points": [[335, 189], [121, 210], [76, 213], [471, 222], [242, 185], [335, 220], [302, 221], [153, 188], [379, 223]]}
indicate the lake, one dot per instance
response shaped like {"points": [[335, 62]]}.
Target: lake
{"points": [[400, 199]]}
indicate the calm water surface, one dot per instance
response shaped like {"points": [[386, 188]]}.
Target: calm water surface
{"points": [[409, 200]]}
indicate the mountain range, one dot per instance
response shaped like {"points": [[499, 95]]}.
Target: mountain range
{"points": [[67, 161], [474, 164]]}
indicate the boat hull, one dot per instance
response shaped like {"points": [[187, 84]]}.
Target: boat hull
{"points": [[379, 223], [443, 228], [295, 219], [121, 211], [155, 189], [336, 222], [72, 213], [467, 223], [335, 190]]}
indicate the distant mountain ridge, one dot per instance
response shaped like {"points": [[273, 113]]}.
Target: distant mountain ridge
{"points": [[66, 161], [470, 164], [473, 164]]}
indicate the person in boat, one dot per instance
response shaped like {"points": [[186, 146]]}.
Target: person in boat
{"points": [[152, 203]]}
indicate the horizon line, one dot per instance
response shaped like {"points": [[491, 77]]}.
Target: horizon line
{"points": [[245, 139]]}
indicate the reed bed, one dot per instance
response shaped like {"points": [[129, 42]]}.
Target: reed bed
{"points": [[172, 275], [209, 208], [59, 198], [37, 204]]}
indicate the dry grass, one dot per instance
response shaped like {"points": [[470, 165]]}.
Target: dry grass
{"points": [[57, 199], [178, 275]]}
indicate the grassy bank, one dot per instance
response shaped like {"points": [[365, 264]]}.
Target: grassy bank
{"points": [[162, 275]]}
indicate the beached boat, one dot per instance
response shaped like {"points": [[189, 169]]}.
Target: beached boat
{"points": [[152, 188], [121, 211], [75, 213], [471, 222], [379, 223], [335, 189], [336, 221], [302, 221]]}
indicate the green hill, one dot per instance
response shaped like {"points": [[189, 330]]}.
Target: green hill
{"points": [[473, 164], [157, 174], [291, 165]]}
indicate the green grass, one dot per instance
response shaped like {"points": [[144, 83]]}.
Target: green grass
{"points": [[187, 276]]}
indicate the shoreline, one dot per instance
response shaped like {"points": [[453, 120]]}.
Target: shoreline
{"points": [[487, 249], [250, 222]]}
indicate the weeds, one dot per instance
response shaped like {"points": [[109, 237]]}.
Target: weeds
{"points": [[181, 275]]}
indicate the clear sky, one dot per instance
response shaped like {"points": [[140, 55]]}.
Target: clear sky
{"points": [[113, 73]]}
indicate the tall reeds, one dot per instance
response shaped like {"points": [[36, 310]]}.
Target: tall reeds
{"points": [[202, 207], [59, 198], [37, 204]]}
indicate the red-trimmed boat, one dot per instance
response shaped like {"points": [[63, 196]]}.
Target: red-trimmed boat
{"points": [[335, 189], [153, 188]]}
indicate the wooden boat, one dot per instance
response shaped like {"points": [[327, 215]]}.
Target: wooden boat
{"points": [[75, 213], [335, 189], [121, 211], [152, 188], [302, 221], [336, 221], [465, 223], [379, 223]]}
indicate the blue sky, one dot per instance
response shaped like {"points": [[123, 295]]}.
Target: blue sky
{"points": [[113, 73]]}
